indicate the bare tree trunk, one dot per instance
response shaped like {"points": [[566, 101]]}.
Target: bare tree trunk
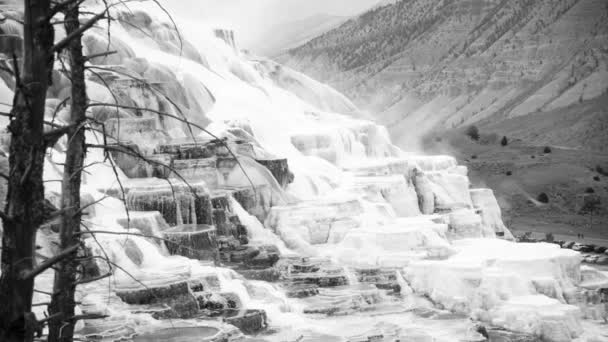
{"points": [[61, 329], [23, 212]]}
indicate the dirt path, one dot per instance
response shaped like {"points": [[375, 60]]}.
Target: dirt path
{"points": [[565, 237], [565, 232]]}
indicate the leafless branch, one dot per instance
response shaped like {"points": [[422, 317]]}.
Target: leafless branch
{"points": [[58, 108], [179, 36], [41, 304], [51, 137], [94, 279], [87, 25], [101, 54], [87, 316], [51, 317], [50, 262], [43, 292], [57, 214]]}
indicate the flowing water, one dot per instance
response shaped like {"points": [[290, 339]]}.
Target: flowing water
{"points": [[359, 210]]}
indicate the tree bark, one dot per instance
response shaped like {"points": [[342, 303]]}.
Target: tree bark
{"points": [[25, 195], [61, 329]]}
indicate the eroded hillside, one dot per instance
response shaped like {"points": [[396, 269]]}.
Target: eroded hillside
{"points": [[438, 65]]}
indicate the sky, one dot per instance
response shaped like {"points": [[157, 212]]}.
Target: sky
{"points": [[251, 18]]}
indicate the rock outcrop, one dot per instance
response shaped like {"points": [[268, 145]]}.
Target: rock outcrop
{"points": [[192, 241], [177, 297], [178, 206]]}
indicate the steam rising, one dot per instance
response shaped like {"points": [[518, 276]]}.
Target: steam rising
{"points": [[250, 19]]}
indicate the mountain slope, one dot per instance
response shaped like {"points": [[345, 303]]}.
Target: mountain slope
{"points": [[440, 65]]}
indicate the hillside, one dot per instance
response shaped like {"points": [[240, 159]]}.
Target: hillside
{"points": [[520, 171], [445, 64]]}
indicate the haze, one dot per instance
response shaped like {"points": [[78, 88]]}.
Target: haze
{"points": [[251, 18]]}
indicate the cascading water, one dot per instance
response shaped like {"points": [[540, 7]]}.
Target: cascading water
{"points": [[375, 244]]}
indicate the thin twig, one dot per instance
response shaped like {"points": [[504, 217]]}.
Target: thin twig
{"points": [[50, 262], [101, 54]]}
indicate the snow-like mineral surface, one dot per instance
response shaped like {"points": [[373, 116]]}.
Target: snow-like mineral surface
{"points": [[352, 204]]}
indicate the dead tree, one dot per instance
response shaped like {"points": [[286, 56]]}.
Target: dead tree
{"points": [[23, 213], [27, 154], [61, 327], [67, 269]]}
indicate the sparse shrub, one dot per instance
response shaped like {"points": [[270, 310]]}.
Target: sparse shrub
{"points": [[509, 173], [549, 237], [533, 157], [474, 156], [547, 150], [527, 237], [591, 204], [596, 178], [601, 170], [438, 139], [504, 141], [473, 132], [589, 191], [543, 198]]}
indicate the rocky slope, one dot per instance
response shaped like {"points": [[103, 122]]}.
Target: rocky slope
{"points": [[437, 65]]}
